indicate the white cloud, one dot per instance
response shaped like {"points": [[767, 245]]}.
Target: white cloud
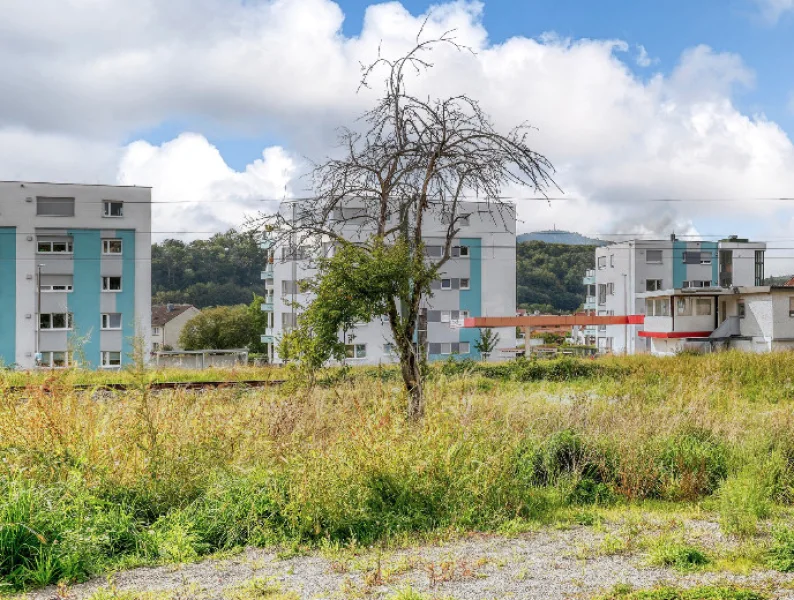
{"points": [[195, 192], [772, 10], [284, 69], [643, 58]]}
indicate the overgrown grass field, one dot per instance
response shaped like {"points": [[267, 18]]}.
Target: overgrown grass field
{"points": [[94, 481]]}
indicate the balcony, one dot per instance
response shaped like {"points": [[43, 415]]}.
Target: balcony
{"points": [[267, 304], [268, 337], [268, 273]]}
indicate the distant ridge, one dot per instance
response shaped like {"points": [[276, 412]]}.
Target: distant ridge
{"points": [[556, 236]]}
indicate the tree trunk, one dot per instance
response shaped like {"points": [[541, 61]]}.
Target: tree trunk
{"points": [[412, 377]]}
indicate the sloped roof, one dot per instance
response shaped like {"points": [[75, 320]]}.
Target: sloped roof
{"points": [[789, 283], [161, 315]]}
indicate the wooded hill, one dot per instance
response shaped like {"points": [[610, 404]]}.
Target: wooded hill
{"points": [[225, 270]]}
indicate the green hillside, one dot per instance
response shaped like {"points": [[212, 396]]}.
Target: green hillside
{"points": [[549, 276]]}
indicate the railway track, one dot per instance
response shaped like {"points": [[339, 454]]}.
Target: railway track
{"points": [[159, 385]]}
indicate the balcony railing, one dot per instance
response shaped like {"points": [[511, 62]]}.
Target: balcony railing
{"points": [[267, 273]]}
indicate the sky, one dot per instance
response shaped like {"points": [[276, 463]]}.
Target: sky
{"points": [[221, 105]]}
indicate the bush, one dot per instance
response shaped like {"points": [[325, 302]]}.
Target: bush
{"points": [[679, 556], [781, 552], [742, 501], [691, 465]]}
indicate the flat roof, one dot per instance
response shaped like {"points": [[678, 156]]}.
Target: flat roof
{"points": [[717, 291], [144, 187]]}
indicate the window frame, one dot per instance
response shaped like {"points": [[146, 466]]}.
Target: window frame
{"points": [[106, 243], [108, 289], [355, 351], [107, 209], [465, 252], [449, 284], [468, 283], [449, 351], [105, 359], [468, 348], [69, 247], [48, 289], [656, 288], [106, 317], [63, 201], [69, 320], [791, 306], [155, 331], [601, 263], [68, 359], [741, 309], [648, 260]]}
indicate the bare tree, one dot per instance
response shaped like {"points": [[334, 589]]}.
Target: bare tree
{"points": [[414, 157]]}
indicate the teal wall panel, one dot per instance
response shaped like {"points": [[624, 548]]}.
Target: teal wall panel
{"points": [[125, 300], [471, 299], [679, 268], [84, 301], [8, 295]]}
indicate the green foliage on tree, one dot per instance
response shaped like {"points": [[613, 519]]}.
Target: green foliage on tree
{"points": [[487, 342], [223, 270], [258, 324], [549, 276], [355, 285], [219, 328]]}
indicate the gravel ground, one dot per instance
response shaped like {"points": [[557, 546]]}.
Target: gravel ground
{"points": [[549, 564]]}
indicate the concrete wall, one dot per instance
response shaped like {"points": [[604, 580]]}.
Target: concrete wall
{"points": [[86, 265]]}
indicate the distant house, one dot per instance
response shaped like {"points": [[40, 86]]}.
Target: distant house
{"points": [[168, 320]]}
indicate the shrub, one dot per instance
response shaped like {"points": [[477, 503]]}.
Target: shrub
{"points": [[742, 501], [691, 465], [679, 556], [781, 552]]}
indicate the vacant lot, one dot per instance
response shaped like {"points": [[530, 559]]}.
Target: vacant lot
{"points": [[92, 481]]}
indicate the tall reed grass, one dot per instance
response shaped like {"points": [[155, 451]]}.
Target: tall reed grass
{"points": [[90, 481]]}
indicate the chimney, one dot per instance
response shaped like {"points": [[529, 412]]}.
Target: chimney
{"points": [[169, 307], [672, 237]]}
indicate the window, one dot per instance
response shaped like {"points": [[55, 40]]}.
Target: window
{"points": [[683, 307], [464, 251], [703, 307], [602, 293], [696, 283], [611, 289], [791, 306], [55, 246], [113, 208], [445, 316], [434, 251], [288, 287], [705, 258], [111, 284], [288, 321], [446, 348], [602, 313], [759, 267], [653, 285], [602, 262], [356, 351], [741, 309], [54, 207], [612, 260], [56, 288], [653, 256], [697, 258], [465, 348], [111, 321], [56, 321], [389, 349], [657, 307], [465, 283], [464, 314], [111, 359], [111, 246], [155, 331], [446, 284], [56, 360]]}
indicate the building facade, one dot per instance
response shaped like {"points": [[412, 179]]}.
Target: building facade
{"points": [[75, 274], [479, 280], [168, 321], [626, 271], [751, 318]]}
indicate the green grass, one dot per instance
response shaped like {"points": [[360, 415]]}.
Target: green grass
{"points": [[88, 485], [668, 593], [680, 556]]}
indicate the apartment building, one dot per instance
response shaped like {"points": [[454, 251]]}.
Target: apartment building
{"points": [[479, 280], [75, 274], [747, 318], [625, 272]]}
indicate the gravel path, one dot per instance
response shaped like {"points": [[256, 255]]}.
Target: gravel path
{"points": [[548, 564]]}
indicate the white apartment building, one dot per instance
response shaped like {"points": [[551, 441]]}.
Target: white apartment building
{"points": [[479, 280], [75, 274], [747, 318], [625, 272]]}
